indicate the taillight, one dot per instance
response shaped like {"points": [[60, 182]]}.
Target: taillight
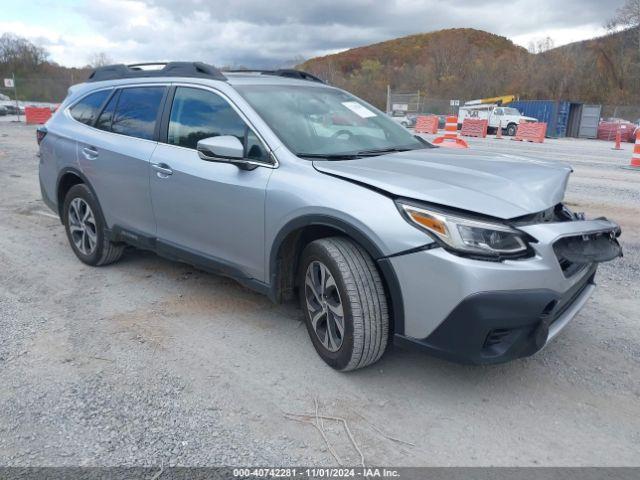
{"points": [[41, 132]]}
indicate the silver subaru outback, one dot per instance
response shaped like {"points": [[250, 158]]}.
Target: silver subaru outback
{"points": [[301, 190]]}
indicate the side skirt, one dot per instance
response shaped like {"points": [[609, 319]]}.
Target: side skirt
{"points": [[176, 253]]}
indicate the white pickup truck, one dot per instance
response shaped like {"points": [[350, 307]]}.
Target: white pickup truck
{"points": [[506, 118]]}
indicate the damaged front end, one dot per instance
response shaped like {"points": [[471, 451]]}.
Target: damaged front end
{"points": [[485, 312], [576, 251], [575, 241]]}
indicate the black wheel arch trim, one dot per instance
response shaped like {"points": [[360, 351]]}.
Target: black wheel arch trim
{"points": [[85, 181], [392, 285]]}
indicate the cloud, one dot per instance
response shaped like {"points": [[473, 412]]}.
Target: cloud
{"points": [[72, 49], [258, 33]]}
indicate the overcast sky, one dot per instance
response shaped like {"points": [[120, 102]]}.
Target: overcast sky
{"points": [[268, 33]]}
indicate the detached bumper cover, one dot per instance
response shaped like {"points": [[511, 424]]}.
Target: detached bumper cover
{"points": [[591, 248], [496, 327], [475, 311]]}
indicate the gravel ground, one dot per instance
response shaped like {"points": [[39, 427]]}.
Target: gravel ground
{"points": [[149, 362]]}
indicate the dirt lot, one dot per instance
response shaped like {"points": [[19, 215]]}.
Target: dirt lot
{"points": [[147, 362]]}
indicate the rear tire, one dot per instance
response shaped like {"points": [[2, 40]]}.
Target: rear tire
{"points": [[352, 286], [86, 228]]}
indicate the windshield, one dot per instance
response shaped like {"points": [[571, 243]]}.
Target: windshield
{"points": [[325, 122], [511, 111]]}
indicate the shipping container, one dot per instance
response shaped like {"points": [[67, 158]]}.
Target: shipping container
{"points": [[562, 117]]}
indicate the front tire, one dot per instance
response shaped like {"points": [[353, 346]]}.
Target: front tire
{"points": [[512, 129], [85, 227], [344, 303]]}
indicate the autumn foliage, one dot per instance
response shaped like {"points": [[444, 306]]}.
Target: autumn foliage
{"points": [[466, 63]]}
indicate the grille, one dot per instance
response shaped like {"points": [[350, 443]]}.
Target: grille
{"points": [[569, 269]]}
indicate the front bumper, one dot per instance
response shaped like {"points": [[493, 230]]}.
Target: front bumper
{"points": [[495, 327], [479, 312]]}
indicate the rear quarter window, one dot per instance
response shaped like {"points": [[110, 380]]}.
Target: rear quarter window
{"points": [[87, 109], [104, 120]]}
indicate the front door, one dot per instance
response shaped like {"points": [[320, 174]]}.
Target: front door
{"points": [[212, 210]]}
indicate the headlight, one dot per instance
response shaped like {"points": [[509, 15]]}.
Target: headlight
{"points": [[463, 235]]}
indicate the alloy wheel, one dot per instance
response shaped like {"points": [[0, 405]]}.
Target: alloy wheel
{"points": [[324, 306], [82, 226]]}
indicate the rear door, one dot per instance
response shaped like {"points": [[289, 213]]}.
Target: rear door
{"points": [[115, 156], [209, 210]]}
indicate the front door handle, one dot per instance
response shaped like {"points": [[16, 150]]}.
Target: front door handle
{"points": [[162, 169], [90, 153]]}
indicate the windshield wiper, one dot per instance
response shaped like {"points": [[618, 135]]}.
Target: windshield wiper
{"points": [[381, 151], [351, 156], [330, 156]]}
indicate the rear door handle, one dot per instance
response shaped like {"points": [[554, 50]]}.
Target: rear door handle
{"points": [[162, 169], [90, 153]]}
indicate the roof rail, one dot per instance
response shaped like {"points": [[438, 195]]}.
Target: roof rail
{"points": [[283, 72], [170, 69]]}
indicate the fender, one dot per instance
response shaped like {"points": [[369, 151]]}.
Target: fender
{"points": [[84, 179], [388, 273]]}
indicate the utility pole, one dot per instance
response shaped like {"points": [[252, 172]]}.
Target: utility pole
{"points": [[15, 94], [388, 100]]}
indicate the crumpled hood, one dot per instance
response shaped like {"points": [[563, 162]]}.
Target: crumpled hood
{"points": [[502, 186]]}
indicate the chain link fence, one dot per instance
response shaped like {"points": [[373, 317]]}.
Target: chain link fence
{"points": [[626, 112], [419, 103]]}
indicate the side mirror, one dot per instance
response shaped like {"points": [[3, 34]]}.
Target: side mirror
{"points": [[224, 148]]}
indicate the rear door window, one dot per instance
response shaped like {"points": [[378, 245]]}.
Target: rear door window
{"points": [[87, 109], [136, 112]]}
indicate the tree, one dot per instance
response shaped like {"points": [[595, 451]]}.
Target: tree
{"points": [[37, 78], [99, 59], [325, 70], [18, 54], [627, 16], [541, 45]]}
